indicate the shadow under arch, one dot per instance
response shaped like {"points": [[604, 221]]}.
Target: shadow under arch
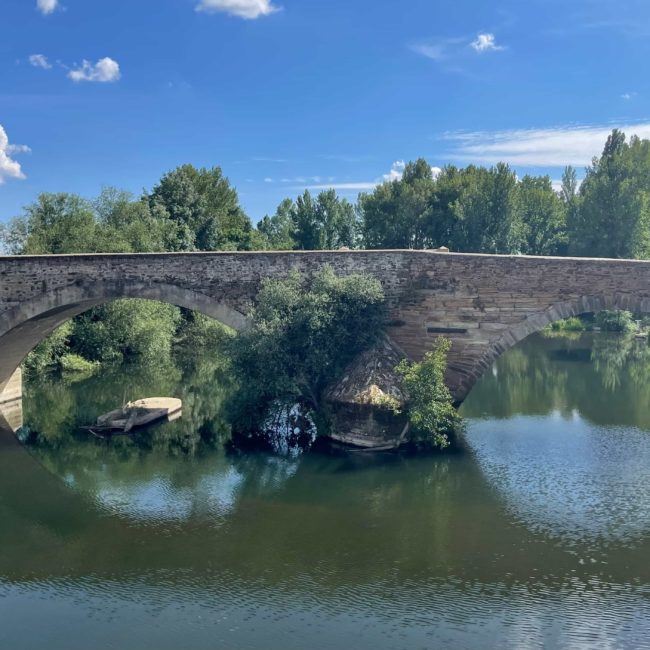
{"points": [[23, 327], [537, 321]]}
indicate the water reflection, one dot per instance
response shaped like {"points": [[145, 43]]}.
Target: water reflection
{"points": [[569, 450], [604, 377], [535, 534], [57, 406]]}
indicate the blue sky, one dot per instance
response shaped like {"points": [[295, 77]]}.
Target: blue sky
{"points": [[288, 94]]}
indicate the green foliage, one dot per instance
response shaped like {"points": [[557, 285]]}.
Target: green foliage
{"points": [[476, 209], [429, 407], [129, 226], [55, 223], [612, 218], [472, 209], [303, 334], [76, 363], [397, 214], [543, 217], [48, 352], [198, 330], [279, 229], [189, 209], [324, 222], [568, 325], [615, 321], [203, 208], [66, 223], [126, 329]]}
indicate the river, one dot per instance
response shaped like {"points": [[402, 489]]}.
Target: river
{"points": [[533, 533]]}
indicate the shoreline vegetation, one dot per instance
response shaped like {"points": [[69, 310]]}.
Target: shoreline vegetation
{"points": [[471, 209], [613, 321]]}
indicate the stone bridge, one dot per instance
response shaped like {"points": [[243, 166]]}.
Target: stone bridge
{"points": [[484, 303]]}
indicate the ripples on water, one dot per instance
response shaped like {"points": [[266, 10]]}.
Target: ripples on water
{"points": [[535, 534], [567, 477]]}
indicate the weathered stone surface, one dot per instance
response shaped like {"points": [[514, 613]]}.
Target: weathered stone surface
{"points": [[490, 302], [11, 416], [13, 389], [373, 372], [359, 404]]}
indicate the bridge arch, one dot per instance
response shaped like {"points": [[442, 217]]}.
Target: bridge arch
{"points": [[24, 326], [537, 321]]}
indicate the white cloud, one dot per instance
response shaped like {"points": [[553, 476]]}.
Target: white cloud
{"points": [[552, 147], [306, 179], [268, 180], [249, 9], [47, 6], [105, 70], [9, 168], [628, 96], [395, 174], [40, 61], [446, 49], [396, 171], [344, 186], [485, 43], [440, 50]]}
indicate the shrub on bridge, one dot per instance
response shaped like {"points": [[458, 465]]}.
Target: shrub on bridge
{"points": [[429, 405]]}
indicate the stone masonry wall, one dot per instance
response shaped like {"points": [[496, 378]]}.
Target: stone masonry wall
{"points": [[484, 303]]}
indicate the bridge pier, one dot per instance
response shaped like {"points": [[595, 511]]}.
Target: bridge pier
{"points": [[359, 404], [11, 403]]}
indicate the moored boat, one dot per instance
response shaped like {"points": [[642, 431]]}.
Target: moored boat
{"points": [[138, 413]]}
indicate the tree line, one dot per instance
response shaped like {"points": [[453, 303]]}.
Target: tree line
{"points": [[470, 209], [486, 210]]}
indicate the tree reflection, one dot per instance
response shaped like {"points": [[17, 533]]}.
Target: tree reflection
{"points": [[56, 407], [561, 374]]}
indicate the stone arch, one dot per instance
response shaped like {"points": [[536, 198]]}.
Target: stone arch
{"points": [[27, 324], [537, 321]]}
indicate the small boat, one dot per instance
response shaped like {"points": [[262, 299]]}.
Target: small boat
{"points": [[137, 414]]}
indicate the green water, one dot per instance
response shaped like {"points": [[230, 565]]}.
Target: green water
{"points": [[534, 534]]}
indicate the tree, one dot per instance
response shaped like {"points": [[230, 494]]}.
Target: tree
{"points": [[66, 223], [488, 208], [204, 208], [54, 224], [131, 226], [613, 214], [303, 335], [543, 217], [325, 223], [279, 229], [396, 213], [472, 209], [126, 329]]}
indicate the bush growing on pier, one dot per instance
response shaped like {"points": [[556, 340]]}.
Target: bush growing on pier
{"points": [[303, 335], [429, 406]]}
